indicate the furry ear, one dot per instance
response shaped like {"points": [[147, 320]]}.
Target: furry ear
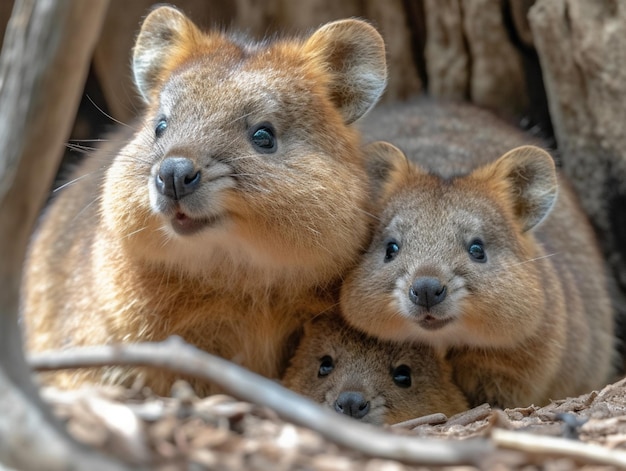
{"points": [[165, 33], [387, 167], [354, 53], [530, 176]]}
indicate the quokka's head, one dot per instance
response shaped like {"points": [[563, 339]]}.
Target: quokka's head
{"points": [[246, 149], [373, 381], [455, 261]]}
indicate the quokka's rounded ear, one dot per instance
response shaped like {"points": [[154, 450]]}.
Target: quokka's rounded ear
{"points": [[354, 54], [530, 178], [387, 167], [166, 33]]}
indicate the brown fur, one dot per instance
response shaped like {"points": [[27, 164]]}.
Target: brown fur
{"points": [[533, 322], [268, 234], [366, 366]]}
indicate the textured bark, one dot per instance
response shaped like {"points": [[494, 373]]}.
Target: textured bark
{"points": [[519, 18], [391, 20], [469, 55], [582, 47], [5, 12], [496, 75], [258, 19], [447, 56], [296, 17]]}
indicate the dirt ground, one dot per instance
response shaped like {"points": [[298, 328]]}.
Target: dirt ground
{"points": [[220, 432]]}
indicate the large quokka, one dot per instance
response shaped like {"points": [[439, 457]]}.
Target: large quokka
{"points": [[483, 252], [230, 215], [368, 379]]}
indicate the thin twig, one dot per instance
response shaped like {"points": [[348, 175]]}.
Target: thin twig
{"points": [[176, 356], [556, 446], [431, 419], [470, 416]]}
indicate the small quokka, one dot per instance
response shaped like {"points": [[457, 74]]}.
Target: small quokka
{"points": [[377, 382], [483, 253], [230, 215]]}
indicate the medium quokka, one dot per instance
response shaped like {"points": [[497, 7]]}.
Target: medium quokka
{"points": [[483, 253], [231, 214], [371, 380]]}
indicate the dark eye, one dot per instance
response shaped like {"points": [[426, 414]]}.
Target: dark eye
{"points": [[477, 251], [402, 376], [263, 139], [326, 366], [160, 127], [391, 250]]}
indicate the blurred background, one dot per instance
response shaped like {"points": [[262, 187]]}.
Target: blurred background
{"points": [[476, 50], [556, 68]]}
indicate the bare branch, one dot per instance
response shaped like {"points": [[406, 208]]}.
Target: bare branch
{"points": [[176, 356], [556, 446]]}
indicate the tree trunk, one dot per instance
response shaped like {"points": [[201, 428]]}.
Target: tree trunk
{"points": [[582, 48], [44, 61], [469, 55]]}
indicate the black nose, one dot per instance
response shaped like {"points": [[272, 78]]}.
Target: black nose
{"points": [[426, 292], [352, 404], [177, 177]]}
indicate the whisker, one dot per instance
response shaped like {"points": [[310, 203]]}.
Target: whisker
{"points": [[89, 140], [75, 180], [106, 114], [132, 158], [79, 147], [238, 174], [531, 260], [368, 214], [237, 119], [87, 206], [241, 157], [96, 152], [108, 157], [329, 309], [257, 188], [165, 237], [134, 232]]}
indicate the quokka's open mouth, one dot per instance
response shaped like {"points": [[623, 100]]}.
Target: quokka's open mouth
{"points": [[430, 322], [185, 225]]}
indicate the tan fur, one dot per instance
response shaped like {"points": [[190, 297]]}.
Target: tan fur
{"points": [[366, 366], [533, 322], [275, 231]]}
